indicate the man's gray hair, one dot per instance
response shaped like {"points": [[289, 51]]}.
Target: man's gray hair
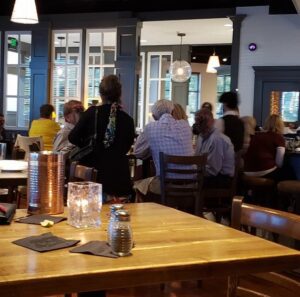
{"points": [[161, 107]]}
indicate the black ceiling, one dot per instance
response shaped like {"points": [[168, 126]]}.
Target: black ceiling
{"points": [[200, 54], [78, 6]]}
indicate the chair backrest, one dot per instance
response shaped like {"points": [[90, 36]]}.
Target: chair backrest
{"points": [[28, 144], [187, 183], [275, 221], [82, 173], [271, 220]]}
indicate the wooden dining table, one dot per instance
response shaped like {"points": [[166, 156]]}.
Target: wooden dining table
{"points": [[169, 245]]}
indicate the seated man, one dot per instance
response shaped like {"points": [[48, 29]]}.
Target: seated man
{"points": [[218, 147], [165, 134], [72, 110]]}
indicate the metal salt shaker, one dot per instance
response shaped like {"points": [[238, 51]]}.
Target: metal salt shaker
{"points": [[121, 233], [113, 209]]}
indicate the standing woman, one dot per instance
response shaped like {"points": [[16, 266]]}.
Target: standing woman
{"points": [[115, 136]]}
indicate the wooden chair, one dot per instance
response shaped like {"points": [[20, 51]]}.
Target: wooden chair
{"points": [[183, 192], [82, 173], [218, 200], [274, 221]]}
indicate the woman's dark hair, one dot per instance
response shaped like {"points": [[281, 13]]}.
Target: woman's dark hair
{"points": [[230, 99], [46, 111], [110, 89]]}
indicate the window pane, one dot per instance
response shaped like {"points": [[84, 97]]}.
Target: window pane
{"points": [[12, 49], [220, 84], [25, 49], [94, 47], [74, 48], [193, 101], [289, 106], [154, 67], [24, 82], [60, 48], [227, 83], [165, 92], [59, 108], [153, 91], [165, 66], [109, 41], [59, 81], [194, 83], [23, 112], [109, 70], [11, 103], [12, 81]]}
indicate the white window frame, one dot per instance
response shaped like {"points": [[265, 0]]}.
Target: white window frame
{"points": [[101, 66], [159, 79], [19, 65], [66, 98]]}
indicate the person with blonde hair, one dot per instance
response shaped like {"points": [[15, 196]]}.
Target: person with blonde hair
{"points": [[266, 150], [178, 112]]}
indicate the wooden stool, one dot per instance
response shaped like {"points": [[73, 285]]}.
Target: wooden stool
{"points": [[262, 189], [290, 189]]}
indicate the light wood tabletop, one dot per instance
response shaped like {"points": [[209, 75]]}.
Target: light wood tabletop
{"points": [[169, 245]]}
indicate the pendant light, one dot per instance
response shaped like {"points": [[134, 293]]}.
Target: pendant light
{"points": [[180, 70], [213, 63], [24, 12]]}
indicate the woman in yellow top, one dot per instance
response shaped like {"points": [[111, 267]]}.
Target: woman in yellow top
{"points": [[45, 126]]}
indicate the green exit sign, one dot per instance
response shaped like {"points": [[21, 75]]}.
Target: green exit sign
{"points": [[12, 43]]}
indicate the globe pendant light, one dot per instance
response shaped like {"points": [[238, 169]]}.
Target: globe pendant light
{"points": [[213, 63], [180, 70], [24, 12]]}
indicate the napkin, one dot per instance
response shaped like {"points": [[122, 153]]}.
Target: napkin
{"points": [[96, 247], [37, 219], [45, 242]]}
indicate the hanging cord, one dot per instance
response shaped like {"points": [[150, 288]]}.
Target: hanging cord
{"points": [[180, 35]]}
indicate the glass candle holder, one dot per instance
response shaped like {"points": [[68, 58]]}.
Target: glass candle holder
{"points": [[84, 204]]}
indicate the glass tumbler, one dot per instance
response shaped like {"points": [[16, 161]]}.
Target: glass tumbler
{"points": [[84, 204]]}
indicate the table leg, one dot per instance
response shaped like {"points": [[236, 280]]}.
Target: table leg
{"points": [[232, 284]]}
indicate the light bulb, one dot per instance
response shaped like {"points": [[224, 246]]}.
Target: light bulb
{"points": [[180, 71]]}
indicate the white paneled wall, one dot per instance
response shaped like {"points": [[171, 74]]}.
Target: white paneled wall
{"points": [[278, 44]]}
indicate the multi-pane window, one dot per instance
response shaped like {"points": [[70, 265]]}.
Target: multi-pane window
{"points": [[223, 85], [66, 74], [158, 80], [193, 96], [17, 80], [100, 60]]}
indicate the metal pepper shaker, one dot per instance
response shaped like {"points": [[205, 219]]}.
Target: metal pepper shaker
{"points": [[121, 233], [113, 209]]}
